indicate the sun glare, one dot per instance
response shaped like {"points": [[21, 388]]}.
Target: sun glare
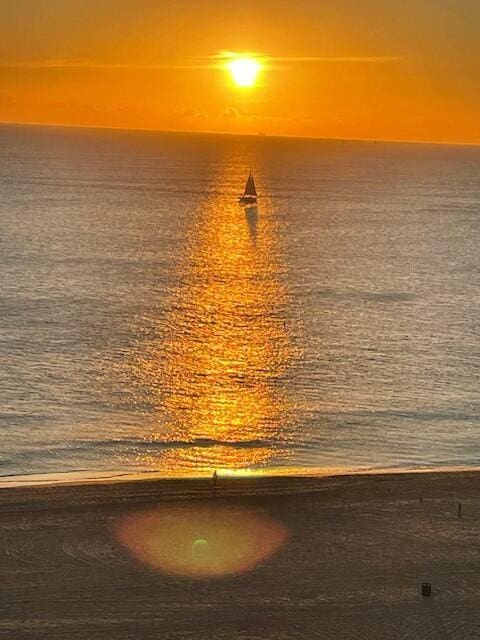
{"points": [[244, 71]]}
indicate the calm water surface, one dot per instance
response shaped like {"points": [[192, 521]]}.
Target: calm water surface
{"points": [[149, 322]]}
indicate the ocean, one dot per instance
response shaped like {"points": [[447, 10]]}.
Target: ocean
{"points": [[148, 322]]}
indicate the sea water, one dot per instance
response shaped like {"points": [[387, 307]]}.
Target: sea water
{"points": [[148, 322]]}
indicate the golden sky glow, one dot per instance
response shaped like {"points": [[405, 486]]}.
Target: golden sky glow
{"points": [[350, 69]]}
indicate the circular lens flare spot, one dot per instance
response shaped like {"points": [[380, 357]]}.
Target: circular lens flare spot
{"points": [[201, 541], [201, 552]]}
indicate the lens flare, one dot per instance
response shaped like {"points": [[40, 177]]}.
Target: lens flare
{"points": [[201, 541]]}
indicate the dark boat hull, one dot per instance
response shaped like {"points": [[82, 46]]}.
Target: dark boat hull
{"points": [[248, 200]]}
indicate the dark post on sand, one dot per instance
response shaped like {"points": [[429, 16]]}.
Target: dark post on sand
{"points": [[426, 589]]}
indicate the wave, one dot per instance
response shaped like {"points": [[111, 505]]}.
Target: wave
{"points": [[128, 444]]}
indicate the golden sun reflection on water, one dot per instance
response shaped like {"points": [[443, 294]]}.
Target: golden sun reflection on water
{"points": [[215, 376], [201, 540]]}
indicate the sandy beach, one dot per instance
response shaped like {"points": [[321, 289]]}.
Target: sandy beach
{"points": [[356, 551]]}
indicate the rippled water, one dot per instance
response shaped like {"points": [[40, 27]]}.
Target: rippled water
{"points": [[149, 322]]}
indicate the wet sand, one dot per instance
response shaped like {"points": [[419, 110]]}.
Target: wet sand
{"points": [[358, 549]]}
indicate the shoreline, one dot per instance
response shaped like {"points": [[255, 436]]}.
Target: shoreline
{"points": [[138, 489], [83, 477]]}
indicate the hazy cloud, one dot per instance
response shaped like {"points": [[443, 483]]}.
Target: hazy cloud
{"points": [[90, 64], [335, 59], [210, 62], [228, 55], [230, 114], [233, 114], [192, 113], [6, 99]]}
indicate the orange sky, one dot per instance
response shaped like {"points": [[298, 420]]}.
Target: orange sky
{"points": [[378, 69]]}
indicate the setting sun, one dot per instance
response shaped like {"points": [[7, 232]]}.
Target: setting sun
{"points": [[244, 71]]}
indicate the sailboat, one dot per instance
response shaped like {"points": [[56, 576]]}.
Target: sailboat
{"points": [[250, 193]]}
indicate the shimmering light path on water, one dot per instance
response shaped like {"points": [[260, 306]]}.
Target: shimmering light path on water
{"points": [[213, 366]]}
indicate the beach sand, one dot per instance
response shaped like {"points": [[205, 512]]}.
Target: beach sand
{"points": [[356, 552]]}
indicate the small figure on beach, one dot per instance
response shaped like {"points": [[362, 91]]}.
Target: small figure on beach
{"points": [[214, 479]]}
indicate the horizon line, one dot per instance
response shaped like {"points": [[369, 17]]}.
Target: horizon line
{"points": [[60, 125]]}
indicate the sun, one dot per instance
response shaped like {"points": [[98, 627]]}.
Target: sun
{"points": [[244, 71]]}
